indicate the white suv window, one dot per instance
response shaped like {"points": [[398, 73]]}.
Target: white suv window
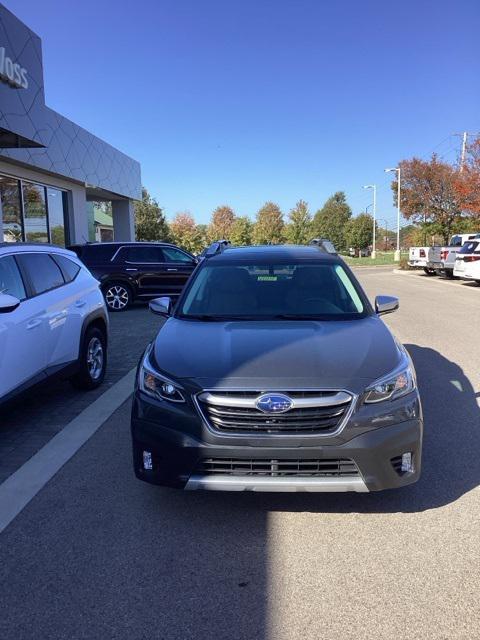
{"points": [[42, 270], [10, 279]]}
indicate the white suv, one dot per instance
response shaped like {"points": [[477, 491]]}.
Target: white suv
{"points": [[467, 261], [53, 319]]}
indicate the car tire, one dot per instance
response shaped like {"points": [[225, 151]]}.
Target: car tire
{"points": [[92, 363], [118, 296], [429, 272], [449, 274]]}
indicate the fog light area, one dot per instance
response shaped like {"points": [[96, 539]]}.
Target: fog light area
{"points": [[407, 462], [147, 460]]}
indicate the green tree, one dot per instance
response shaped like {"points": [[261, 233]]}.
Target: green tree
{"points": [[359, 231], [269, 225], [299, 229], [186, 234], [221, 223], [242, 231], [150, 221], [330, 221]]}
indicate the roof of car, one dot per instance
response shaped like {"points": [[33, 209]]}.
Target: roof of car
{"points": [[117, 243], [282, 253], [28, 246]]}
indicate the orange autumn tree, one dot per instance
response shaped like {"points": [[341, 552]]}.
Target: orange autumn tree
{"points": [[468, 181], [429, 195]]}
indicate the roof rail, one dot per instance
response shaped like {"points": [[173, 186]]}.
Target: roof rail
{"points": [[216, 247], [324, 245]]}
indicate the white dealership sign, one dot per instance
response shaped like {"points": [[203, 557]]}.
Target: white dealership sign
{"points": [[12, 72]]}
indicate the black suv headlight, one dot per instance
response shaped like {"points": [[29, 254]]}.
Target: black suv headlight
{"points": [[394, 385], [156, 385]]}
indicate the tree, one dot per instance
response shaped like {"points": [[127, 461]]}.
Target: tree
{"points": [[269, 225], [359, 231], [221, 223], [299, 229], [468, 182], [185, 233], [150, 221], [429, 195], [330, 221], [242, 231]]}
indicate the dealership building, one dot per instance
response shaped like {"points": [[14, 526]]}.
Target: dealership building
{"points": [[52, 170]]}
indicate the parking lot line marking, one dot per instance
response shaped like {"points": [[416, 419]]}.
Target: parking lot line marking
{"points": [[23, 485]]}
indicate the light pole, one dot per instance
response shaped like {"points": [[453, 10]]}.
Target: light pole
{"points": [[397, 252], [374, 187]]}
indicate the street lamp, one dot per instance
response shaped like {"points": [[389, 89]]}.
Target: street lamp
{"points": [[397, 252], [374, 187]]}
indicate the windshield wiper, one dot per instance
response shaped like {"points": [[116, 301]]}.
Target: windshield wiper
{"points": [[205, 317], [298, 316]]}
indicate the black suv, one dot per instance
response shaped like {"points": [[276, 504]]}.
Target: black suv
{"points": [[130, 271], [274, 373]]}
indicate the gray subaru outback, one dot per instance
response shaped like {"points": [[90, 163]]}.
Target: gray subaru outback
{"points": [[274, 373]]}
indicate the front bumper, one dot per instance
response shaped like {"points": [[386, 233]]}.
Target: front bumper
{"points": [[176, 455]]}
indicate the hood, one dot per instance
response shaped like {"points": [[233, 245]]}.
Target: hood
{"points": [[277, 355]]}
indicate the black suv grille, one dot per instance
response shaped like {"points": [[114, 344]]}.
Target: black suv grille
{"points": [[312, 412], [271, 468]]}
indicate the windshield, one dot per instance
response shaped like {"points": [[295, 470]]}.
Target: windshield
{"points": [[253, 292]]}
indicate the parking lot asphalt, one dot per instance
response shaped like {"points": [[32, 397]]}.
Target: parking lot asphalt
{"points": [[97, 554], [32, 419]]}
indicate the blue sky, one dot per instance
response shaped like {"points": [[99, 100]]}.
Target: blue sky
{"points": [[244, 101]]}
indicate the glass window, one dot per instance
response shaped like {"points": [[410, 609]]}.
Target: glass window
{"points": [[42, 271], [70, 269], [10, 279], [470, 247], [11, 209], [322, 291], [175, 255], [56, 215], [35, 213], [145, 255]]}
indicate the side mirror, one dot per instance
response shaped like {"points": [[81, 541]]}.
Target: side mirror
{"points": [[386, 304], [161, 306], [8, 303]]}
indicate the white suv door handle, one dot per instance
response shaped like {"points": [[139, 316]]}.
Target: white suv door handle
{"points": [[34, 323], [80, 303]]}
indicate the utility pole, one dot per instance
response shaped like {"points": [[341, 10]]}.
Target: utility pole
{"points": [[464, 149], [463, 154]]}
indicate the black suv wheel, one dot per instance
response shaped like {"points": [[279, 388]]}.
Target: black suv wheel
{"points": [[118, 296]]}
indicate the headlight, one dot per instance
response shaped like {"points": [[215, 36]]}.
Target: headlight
{"points": [[394, 385], [157, 386]]}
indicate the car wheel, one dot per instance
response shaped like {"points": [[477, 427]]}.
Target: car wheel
{"points": [[92, 361], [429, 272], [449, 274], [118, 296]]}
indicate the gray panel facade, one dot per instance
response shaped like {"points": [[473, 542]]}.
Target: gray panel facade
{"points": [[49, 141]]}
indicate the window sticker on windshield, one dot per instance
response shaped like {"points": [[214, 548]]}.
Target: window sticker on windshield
{"points": [[267, 278]]}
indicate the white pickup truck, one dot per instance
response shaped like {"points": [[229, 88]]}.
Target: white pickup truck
{"points": [[448, 254], [438, 260], [424, 258]]}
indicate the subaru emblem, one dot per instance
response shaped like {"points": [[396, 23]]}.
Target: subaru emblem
{"points": [[273, 403]]}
